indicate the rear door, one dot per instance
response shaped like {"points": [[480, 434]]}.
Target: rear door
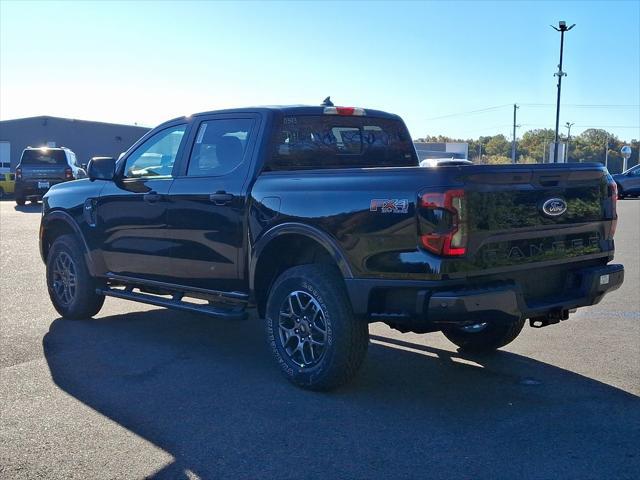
{"points": [[207, 201], [132, 210]]}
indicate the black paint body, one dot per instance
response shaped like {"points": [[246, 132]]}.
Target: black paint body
{"points": [[172, 229]]}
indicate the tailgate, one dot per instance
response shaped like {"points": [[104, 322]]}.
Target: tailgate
{"points": [[523, 215], [43, 172]]}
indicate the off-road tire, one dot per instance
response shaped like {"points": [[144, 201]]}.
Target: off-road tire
{"points": [[494, 336], [346, 339], [85, 302]]}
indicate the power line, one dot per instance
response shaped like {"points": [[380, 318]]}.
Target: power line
{"points": [[498, 107], [579, 105], [471, 112], [582, 126]]}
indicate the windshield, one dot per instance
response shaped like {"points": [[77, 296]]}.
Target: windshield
{"points": [[43, 156]]}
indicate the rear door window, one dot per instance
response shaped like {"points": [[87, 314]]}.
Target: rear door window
{"points": [[329, 141], [220, 146], [43, 156]]}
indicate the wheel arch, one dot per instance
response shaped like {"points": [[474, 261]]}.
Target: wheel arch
{"points": [[57, 223], [285, 246]]}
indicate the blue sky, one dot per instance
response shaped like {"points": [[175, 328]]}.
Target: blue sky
{"points": [[146, 62]]}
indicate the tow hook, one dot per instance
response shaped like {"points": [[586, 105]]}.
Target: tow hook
{"points": [[551, 318]]}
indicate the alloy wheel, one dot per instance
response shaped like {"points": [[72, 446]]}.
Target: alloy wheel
{"points": [[64, 278], [302, 329]]}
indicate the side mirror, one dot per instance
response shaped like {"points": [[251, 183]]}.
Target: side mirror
{"points": [[101, 168]]}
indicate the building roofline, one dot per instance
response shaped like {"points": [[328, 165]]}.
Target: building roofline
{"points": [[73, 120]]}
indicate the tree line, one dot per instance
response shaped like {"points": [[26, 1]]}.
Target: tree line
{"points": [[591, 145]]}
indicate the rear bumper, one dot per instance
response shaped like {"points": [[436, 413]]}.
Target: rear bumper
{"points": [[444, 303], [31, 189]]}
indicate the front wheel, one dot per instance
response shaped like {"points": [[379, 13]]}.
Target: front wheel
{"points": [[484, 337], [315, 338], [71, 288]]}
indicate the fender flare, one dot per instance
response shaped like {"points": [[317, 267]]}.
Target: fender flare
{"points": [[324, 239], [62, 216]]}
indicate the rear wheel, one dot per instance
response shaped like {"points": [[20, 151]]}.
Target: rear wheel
{"points": [[71, 288], [315, 338], [484, 337]]}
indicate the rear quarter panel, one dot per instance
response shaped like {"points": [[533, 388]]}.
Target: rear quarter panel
{"points": [[503, 207], [339, 202]]}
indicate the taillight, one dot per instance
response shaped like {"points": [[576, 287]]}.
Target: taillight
{"points": [[443, 223], [18, 173], [68, 173], [347, 111]]}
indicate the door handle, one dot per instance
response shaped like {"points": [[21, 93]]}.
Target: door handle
{"points": [[221, 198], [151, 197]]}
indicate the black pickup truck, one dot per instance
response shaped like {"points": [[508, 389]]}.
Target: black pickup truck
{"points": [[322, 220]]}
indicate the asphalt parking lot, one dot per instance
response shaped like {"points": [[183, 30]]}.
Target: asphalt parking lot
{"points": [[146, 392]]}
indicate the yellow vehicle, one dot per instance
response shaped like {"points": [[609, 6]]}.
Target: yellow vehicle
{"points": [[7, 184]]}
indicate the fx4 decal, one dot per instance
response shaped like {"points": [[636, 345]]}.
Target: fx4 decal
{"points": [[389, 205]]}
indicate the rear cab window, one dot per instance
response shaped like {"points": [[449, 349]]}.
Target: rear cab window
{"points": [[332, 141], [44, 156]]}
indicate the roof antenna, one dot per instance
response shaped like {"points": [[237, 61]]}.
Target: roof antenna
{"points": [[327, 102]]}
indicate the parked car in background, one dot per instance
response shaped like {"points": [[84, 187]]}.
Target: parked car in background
{"points": [[40, 168], [443, 162], [7, 184], [628, 182]]}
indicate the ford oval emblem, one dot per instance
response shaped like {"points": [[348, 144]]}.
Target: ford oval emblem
{"points": [[554, 207]]}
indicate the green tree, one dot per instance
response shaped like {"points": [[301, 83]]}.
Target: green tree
{"points": [[535, 143], [590, 145], [498, 145], [497, 159]]}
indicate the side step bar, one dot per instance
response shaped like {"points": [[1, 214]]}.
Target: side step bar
{"points": [[175, 302]]}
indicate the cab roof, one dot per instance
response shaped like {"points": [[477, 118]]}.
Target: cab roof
{"points": [[286, 110]]}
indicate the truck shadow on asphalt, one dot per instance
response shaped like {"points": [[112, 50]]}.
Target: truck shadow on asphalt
{"points": [[208, 393], [30, 208]]}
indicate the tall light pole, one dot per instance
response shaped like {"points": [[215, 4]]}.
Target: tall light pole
{"points": [[513, 143], [626, 154], [562, 27], [566, 153]]}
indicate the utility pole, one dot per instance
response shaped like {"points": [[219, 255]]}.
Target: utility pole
{"points": [[562, 27], [566, 153], [513, 143]]}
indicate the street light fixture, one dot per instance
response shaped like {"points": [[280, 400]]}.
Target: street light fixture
{"points": [[562, 27], [626, 154], [566, 153]]}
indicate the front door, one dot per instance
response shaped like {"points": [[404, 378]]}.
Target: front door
{"points": [[132, 210], [207, 202]]}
